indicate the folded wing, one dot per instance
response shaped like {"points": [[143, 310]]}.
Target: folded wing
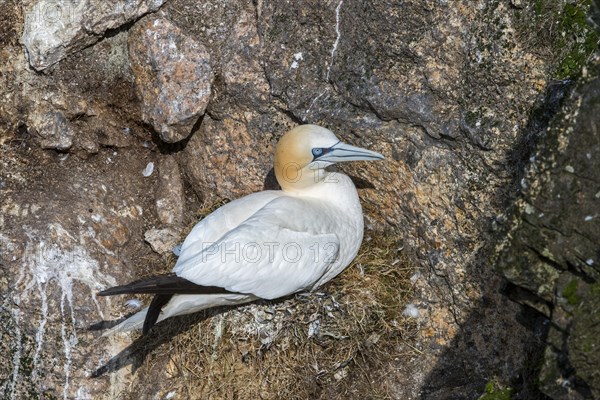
{"points": [[283, 248]]}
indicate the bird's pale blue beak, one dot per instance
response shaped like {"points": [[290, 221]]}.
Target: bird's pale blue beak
{"points": [[344, 152]]}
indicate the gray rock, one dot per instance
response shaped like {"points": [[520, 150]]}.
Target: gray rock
{"points": [[341, 65], [221, 162], [54, 29], [443, 88], [172, 76], [233, 37], [108, 81], [551, 251], [60, 246], [170, 196], [162, 241], [54, 130]]}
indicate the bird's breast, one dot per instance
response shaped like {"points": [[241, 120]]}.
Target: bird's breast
{"points": [[340, 213]]}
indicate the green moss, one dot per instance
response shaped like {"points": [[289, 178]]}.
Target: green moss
{"points": [[595, 290], [570, 292], [561, 30], [538, 6], [587, 346], [472, 117], [494, 392], [577, 39]]}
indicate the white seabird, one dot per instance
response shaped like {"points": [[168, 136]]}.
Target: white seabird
{"points": [[268, 244]]}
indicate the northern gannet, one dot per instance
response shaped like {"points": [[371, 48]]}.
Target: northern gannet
{"points": [[267, 244]]}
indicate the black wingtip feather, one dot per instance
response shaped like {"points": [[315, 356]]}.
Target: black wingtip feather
{"points": [[115, 290], [164, 284]]}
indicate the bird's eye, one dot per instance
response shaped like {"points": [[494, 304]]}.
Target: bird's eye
{"points": [[317, 151]]}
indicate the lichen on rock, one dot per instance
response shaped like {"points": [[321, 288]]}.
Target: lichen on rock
{"points": [[552, 245]]}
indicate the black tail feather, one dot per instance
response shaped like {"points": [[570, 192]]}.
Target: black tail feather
{"points": [[164, 285], [158, 302]]}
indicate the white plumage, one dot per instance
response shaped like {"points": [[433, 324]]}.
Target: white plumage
{"points": [[272, 243]]}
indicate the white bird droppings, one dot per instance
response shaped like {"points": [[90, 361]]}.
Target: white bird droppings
{"points": [[415, 277], [297, 57], [82, 394], [529, 209], [341, 374], [313, 328], [411, 311], [337, 39], [589, 262], [170, 395], [589, 218], [148, 170], [177, 250], [524, 183], [478, 56], [45, 264], [133, 303], [569, 169]]}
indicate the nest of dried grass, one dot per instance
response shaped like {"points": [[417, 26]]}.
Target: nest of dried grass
{"points": [[348, 339]]}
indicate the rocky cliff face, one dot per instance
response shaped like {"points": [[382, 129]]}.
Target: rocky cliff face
{"points": [[551, 251], [121, 121]]}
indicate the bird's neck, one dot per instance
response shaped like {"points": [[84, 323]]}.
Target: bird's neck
{"points": [[293, 179], [331, 186]]}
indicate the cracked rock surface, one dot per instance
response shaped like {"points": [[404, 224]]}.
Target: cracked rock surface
{"points": [[53, 30], [552, 248], [172, 77], [204, 90]]}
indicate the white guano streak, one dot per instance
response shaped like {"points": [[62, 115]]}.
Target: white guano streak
{"points": [[16, 315], [332, 57], [46, 263], [337, 38]]}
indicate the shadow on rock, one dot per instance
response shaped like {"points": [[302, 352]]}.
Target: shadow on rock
{"points": [[499, 349], [489, 348], [136, 352]]}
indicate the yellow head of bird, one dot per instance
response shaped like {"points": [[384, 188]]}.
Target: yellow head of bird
{"points": [[303, 153]]}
